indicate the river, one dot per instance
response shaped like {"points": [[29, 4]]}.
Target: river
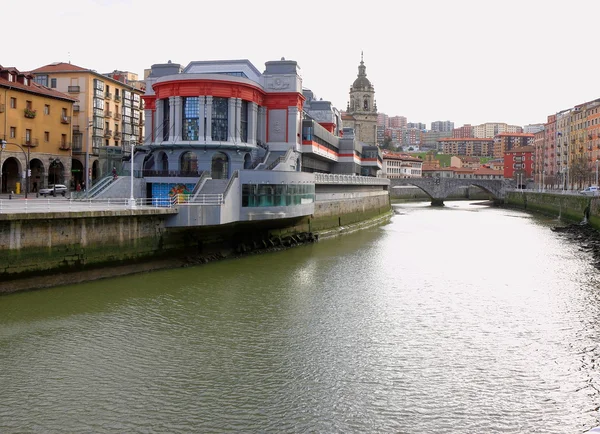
{"points": [[461, 319]]}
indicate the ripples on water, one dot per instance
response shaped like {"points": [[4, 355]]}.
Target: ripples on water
{"points": [[464, 319]]}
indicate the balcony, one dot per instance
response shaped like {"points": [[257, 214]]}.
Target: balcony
{"points": [[76, 108], [108, 114], [74, 89], [117, 135], [65, 120], [108, 95], [117, 117], [117, 98], [30, 143], [29, 113], [64, 146], [76, 129], [107, 133]]}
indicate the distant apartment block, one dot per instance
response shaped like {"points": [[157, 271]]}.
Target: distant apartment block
{"points": [[491, 129], [518, 164], [398, 165], [533, 128], [463, 132], [397, 122], [383, 120], [430, 139], [469, 146], [505, 142], [442, 126], [416, 125]]}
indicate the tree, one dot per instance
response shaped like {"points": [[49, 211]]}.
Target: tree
{"points": [[387, 143], [579, 170]]}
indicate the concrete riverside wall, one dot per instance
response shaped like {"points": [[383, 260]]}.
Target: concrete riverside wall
{"points": [[567, 206], [42, 250]]}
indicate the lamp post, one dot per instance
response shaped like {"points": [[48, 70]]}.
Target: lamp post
{"points": [[131, 198], [596, 172], [87, 154]]}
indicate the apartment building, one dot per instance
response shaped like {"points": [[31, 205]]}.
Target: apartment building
{"points": [[35, 129], [106, 119]]}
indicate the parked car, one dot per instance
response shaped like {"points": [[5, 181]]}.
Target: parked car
{"points": [[53, 190], [592, 190]]}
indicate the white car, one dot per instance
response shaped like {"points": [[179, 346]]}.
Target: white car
{"points": [[590, 191], [53, 190]]}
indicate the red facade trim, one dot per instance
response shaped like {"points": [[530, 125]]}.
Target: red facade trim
{"points": [[216, 88]]}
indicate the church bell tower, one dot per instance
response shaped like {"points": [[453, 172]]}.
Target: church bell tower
{"points": [[362, 107]]}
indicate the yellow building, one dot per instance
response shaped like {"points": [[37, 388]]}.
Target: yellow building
{"points": [[106, 120], [35, 126]]}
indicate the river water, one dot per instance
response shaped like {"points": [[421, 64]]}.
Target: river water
{"points": [[462, 319]]}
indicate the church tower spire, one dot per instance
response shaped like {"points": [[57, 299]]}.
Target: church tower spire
{"points": [[362, 106]]}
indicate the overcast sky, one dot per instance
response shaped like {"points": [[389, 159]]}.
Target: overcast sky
{"points": [[467, 61]]}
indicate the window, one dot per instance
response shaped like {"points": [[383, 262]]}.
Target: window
{"points": [[28, 105], [191, 117], [28, 137], [53, 83], [63, 139], [13, 132], [46, 109], [64, 112], [11, 77], [244, 122], [219, 119], [46, 136], [41, 79], [13, 102]]}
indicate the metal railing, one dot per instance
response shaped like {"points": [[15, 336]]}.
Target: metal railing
{"points": [[235, 175], [201, 199], [330, 178], [29, 206]]}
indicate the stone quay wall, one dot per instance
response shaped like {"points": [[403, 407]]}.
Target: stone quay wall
{"points": [[570, 207], [47, 249]]}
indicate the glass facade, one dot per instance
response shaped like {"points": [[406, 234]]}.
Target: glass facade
{"points": [[262, 195], [244, 122], [191, 118], [219, 125], [166, 116]]}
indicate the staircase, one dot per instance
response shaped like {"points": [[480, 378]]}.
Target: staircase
{"points": [[214, 186]]}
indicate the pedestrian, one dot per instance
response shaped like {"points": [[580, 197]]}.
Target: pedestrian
{"points": [[114, 173], [78, 188]]}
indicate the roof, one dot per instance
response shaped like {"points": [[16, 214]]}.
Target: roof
{"points": [[515, 134], [59, 67], [62, 67], [488, 171], [399, 156], [466, 139], [34, 87], [520, 149]]}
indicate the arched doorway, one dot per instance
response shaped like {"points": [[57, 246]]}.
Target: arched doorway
{"points": [[11, 174], [95, 171], [247, 161], [36, 181], [189, 164], [219, 167], [56, 172], [77, 170], [163, 162]]}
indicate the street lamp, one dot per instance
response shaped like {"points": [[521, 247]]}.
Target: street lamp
{"points": [[131, 198], [596, 171]]}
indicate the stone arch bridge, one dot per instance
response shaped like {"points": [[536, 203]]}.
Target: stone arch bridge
{"points": [[440, 188]]}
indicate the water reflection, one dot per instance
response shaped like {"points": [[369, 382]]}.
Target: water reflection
{"points": [[460, 319]]}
